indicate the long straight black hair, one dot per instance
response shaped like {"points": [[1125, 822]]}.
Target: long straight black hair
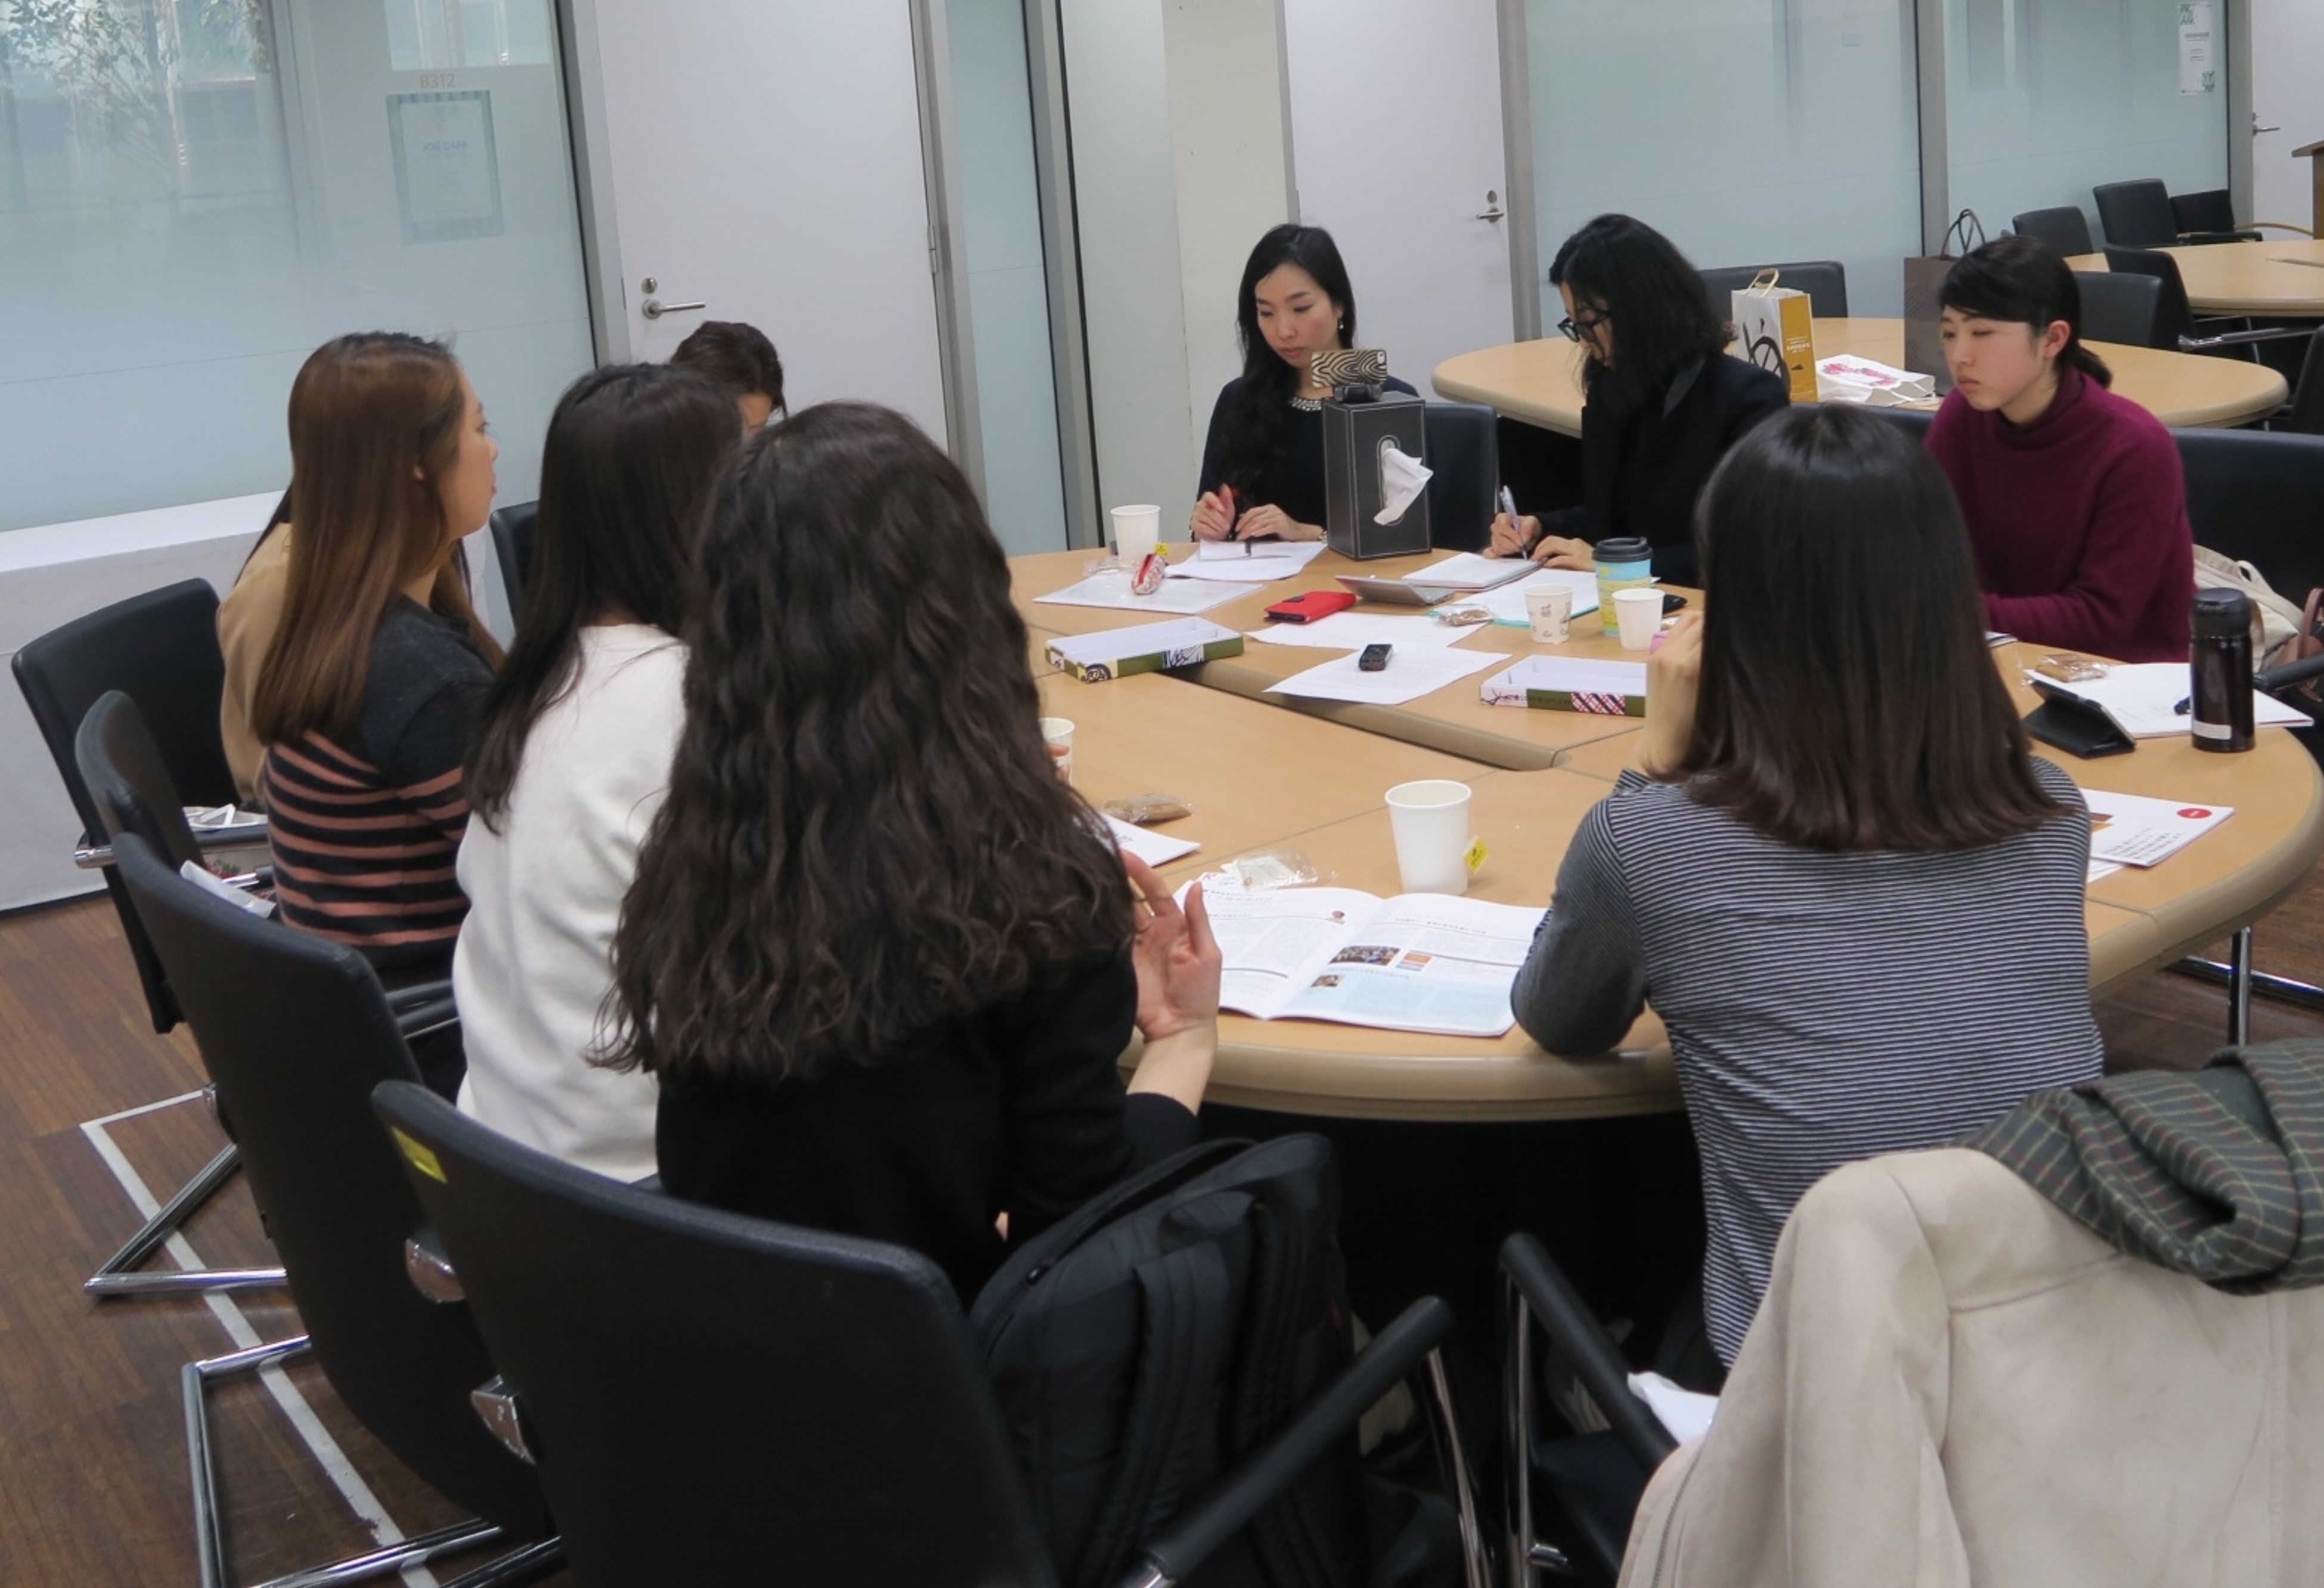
{"points": [[1661, 312], [865, 837], [2023, 280], [1268, 384], [1848, 701], [631, 452]]}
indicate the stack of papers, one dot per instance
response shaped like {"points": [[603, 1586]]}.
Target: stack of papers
{"points": [[2145, 699], [1247, 562], [2130, 829], [1410, 673], [1571, 683], [1352, 631], [1143, 648], [1111, 588]]}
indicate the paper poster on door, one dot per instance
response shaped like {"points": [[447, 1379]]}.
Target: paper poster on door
{"points": [[2199, 48], [447, 175]]}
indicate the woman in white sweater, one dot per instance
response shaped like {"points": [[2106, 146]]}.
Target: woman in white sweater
{"points": [[572, 761]]}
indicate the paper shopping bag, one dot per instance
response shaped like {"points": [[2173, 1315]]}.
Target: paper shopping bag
{"points": [[1776, 328]]}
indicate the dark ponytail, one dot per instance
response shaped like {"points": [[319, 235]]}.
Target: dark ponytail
{"points": [[2026, 282], [1268, 384]]}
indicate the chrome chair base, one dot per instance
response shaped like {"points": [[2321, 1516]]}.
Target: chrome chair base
{"points": [[119, 1275], [524, 1566], [2243, 983]]}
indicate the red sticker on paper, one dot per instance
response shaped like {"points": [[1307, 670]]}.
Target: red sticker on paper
{"points": [[2193, 813]]}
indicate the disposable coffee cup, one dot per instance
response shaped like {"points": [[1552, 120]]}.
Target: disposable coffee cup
{"points": [[1136, 532], [1638, 617], [1549, 610], [1057, 733], [1429, 819]]}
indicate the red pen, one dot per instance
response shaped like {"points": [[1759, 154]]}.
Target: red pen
{"points": [[1226, 494]]}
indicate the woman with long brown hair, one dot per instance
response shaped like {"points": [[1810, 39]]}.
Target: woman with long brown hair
{"points": [[1849, 891], [370, 690], [881, 957]]}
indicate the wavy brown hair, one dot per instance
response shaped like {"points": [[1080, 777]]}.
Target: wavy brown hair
{"points": [[365, 410], [863, 837], [1848, 700]]}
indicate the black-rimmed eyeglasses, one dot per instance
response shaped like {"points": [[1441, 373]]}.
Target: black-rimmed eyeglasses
{"points": [[1573, 330]]}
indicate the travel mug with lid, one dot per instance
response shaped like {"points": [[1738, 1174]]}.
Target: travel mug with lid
{"points": [[2220, 665], [1625, 562]]}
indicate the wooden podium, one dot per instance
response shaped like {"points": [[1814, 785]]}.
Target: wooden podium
{"points": [[2314, 156]]}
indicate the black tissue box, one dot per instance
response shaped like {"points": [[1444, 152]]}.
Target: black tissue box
{"points": [[1354, 434]]}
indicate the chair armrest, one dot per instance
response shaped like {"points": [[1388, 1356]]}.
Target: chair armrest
{"points": [[250, 836], [1551, 1298], [2244, 338], [2289, 674], [1180, 1548], [423, 1008]]}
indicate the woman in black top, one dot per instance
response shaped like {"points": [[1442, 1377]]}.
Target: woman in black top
{"points": [[1662, 399], [883, 962], [1263, 459]]}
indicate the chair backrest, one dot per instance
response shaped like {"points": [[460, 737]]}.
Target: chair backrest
{"points": [[2306, 416], [295, 1032], [1824, 280], [2124, 308], [2210, 210], [1464, 459], [513, 529], [1914, 421], [2135, 214], [713, 1396], [2177, 316], [160, 649], [2064, 228], [2259, 495], [127, 781]]}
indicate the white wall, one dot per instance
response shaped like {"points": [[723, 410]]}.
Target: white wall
{"points": [[1176, 111], [2288, 92]]}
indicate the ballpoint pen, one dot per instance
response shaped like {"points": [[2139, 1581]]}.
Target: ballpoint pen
{"points": [[1234, 531]]}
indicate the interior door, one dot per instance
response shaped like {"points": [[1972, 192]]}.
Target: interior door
{"points": [[761, 161], [1396, 139]]}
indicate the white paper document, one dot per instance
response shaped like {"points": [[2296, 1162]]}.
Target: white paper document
{"points": [[1409, 674], [1156, 849], [2130, 829], [1111, 588], [1247, 562], [1419, 962], [1508, 604], [2143, 699], [1352, 631]]}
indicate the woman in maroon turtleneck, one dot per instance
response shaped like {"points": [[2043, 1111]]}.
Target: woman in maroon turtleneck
{"points": [[2076, 506]]}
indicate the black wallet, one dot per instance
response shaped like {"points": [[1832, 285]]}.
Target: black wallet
{"points": [[2074, 725]]}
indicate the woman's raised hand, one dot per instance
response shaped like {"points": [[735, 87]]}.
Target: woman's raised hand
{"points": [[1176, 956], [1674, 676], [1214, 519]]}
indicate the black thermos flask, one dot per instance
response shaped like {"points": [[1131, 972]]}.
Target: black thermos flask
{"points": [[2219, 658]]}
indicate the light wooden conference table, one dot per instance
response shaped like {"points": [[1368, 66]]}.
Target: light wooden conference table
{"points": [[1540, 381], [1313, 774], [2274, 279]]}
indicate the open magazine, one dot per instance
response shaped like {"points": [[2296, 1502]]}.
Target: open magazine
{"points": [[1419, 962]]}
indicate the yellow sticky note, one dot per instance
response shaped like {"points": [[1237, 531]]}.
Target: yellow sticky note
{"points": [[1476, 856]]}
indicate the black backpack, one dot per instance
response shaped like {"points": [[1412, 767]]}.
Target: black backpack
{"points": [[1141, 1345]]}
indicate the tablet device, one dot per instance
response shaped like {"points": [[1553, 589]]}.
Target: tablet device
{"points": [[1418, 591]]}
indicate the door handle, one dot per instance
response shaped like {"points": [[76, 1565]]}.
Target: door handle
{"points": [[1492, 210], [654, 308], [2257, 129]]}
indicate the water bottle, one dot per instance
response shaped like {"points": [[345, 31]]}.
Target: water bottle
{"points": [[2220, 664], [1625, 562]]}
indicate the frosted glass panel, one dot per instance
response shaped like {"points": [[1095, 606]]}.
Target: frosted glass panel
{"points": [[1008, 282], [1744, 130], [196, 193], [2044, 99]]}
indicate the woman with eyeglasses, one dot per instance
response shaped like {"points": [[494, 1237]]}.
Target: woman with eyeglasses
{"points": [[1263, 458], [1663, 400]]}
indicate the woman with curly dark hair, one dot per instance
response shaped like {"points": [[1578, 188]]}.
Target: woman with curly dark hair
{"points": [[881, 957]]}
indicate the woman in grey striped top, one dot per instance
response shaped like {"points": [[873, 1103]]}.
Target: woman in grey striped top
{"points": [[1851, 891]]}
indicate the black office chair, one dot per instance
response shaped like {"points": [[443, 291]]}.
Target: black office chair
{"points": [[1464, 461], [1914, 421], [1824, 280], [1594, 1480], [161, 648], [2305, 415], [2257, 496], [717, 1398], [2208, 216], [512, 531], [2231, 336], [295, 1033], [2123, 308], [2065, 228]]}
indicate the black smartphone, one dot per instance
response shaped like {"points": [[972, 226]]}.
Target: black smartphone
{"points": [[1374, 658], [1671, 604]]}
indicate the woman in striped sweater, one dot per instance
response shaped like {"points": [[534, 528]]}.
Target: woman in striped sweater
{"points": [[370, 691], [1851, 891]]}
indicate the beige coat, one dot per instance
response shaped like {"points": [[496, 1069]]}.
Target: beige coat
{"points": [[246, 622], [1953, 1383]]}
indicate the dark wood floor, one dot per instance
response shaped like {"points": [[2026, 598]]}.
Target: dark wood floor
{"points": [[93, 1484]]}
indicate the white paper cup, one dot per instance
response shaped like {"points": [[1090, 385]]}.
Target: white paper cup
{"points": [[1057, 733], [1637, 617], [1429, 819], [1136, 532], [1549, 610]]}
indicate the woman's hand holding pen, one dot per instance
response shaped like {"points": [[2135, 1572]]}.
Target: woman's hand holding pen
{"points": [[1513, 536], [1214, 515]]}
